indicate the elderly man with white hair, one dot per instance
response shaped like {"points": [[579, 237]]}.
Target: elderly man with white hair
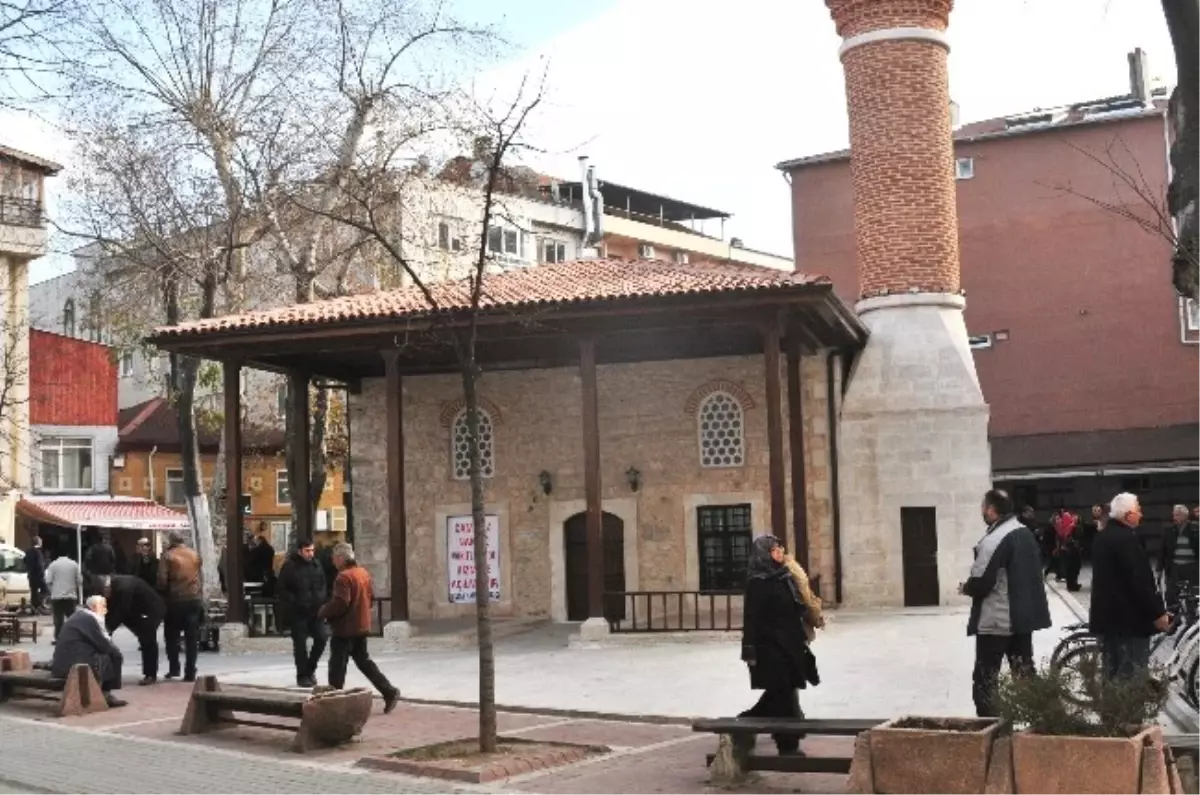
{"points": [[1126, 605], [84, 639], [1177, 558]]}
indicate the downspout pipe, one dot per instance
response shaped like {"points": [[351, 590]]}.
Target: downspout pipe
{"points": [[831, 401]]}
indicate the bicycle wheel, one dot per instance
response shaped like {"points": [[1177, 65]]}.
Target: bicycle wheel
{"points": [[1083, 667], [1068, 643], [1191, 695]]}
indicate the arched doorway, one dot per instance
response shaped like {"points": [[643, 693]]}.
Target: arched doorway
{"points": [[575, 541]]}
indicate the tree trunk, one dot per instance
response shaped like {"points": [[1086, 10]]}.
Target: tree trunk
{"points": [[1183, 22], [483, 611], [197, 504]]}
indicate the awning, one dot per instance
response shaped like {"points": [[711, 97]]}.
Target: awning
{"points": [[108, 512], [1125, 451]]}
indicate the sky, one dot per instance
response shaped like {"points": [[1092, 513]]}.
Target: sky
{"points": [[700, 100]]}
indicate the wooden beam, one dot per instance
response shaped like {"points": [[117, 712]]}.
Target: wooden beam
{"points": [[234, 586], [591, 477], [299, 426], [799, 540], [397, 519], [775, 430]]}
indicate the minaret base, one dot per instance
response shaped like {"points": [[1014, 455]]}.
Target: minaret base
{"points": [[912, 434]]}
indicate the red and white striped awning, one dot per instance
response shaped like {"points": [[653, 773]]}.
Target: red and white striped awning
{"points": [[99, 511]]}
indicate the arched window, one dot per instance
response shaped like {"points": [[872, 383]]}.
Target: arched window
{"points": [[69, 318], [460, 460], [722, 431]]}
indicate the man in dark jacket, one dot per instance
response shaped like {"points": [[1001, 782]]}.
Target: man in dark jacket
{"points": [[1177, 559], [301, 592], [84, 640], [133, 604], [1126, 606], [100, 560], [35, 570], [1008, 599], [145, 565]]}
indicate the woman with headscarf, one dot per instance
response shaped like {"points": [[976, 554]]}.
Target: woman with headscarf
{"points": [[773, 639]]}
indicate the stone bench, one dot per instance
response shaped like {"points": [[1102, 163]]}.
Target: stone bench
{"points": [[735, 747], [327, 718], [79, 693]]}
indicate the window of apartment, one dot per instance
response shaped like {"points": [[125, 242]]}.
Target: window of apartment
{"points": [[724, 535], [175, 495], [460, 455], [1191, 314], [980, 341], [721, 431], [504, 241], [66, 463], [964, 168], [552, 251], [125, 363], [69, 318], [443, 236], [279, 534], [283, 492]]}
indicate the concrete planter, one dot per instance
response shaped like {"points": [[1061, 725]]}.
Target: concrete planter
{"points": [[1043, 763], [927, 755]]}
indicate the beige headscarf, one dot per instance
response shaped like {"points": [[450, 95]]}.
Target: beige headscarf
{"points": [[813, 620]]}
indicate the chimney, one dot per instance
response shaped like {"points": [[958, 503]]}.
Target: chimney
{"points": [[1139, 75]]}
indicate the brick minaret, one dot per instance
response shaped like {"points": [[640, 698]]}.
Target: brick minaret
{"points": [[914, 453]]}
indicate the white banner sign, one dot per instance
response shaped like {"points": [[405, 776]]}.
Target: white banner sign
{"points": [[460, 546]]}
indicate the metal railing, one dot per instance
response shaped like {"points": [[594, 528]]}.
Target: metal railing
{"points": [[16, 211], [264, 617], [678, 611]]}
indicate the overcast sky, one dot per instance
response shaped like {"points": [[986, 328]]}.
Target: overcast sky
{"points": [[698, 101]]}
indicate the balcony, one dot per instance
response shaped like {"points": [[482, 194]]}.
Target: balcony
{"points": [[20, 211]]}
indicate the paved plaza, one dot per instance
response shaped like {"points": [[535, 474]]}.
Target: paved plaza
{"points": [[873, 665]]}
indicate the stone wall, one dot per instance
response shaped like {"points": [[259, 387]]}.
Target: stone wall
{"points": [[644, 423]]}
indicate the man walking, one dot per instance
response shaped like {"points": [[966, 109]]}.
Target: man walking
{"points": [[179, 580], [84, 640], [64, 582], [1008, 599], [136, 606], [1177, 559], [35, 570], [349, 616], [1126, 607], [301, 592]]}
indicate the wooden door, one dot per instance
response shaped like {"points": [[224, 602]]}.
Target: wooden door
{"points": [[575, 542], [918, 534]]}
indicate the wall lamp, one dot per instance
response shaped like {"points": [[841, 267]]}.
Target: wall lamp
{"points": [[633, 476], [545, 481]]}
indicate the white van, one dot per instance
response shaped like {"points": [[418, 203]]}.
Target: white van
{"points": [[14, 581]]}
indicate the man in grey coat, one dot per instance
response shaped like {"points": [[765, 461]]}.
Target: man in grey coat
{"points": [[85, 640], [1008, 599]]}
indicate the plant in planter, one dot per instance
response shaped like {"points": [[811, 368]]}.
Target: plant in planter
{"points": [[1078, 732]]}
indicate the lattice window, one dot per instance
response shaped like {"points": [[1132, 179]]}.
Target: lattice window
{"points": [[722, 431], [460, 458]]}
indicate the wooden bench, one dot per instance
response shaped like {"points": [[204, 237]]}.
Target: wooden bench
{"points": [[14, 626], [734, 757], [327, 718], [80, 692]]}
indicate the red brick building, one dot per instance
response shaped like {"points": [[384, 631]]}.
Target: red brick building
{"points": [[1086, 356]]}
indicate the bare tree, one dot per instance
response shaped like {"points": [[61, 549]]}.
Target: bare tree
{"points": [[390, 205], [376, 63], [1183, 194], [27, 49]]}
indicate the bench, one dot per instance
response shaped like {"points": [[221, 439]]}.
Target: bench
{"points": [[327, 718], [734, 757], [14, 626], [80, 693]]}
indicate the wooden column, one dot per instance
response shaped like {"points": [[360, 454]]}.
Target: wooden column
{"points": [[775, 431], [235, 612], [299, 424], [799, 540], [397, 519], [591, 477]]}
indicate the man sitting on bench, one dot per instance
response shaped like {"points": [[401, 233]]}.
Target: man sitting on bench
{"points": [[85, 640]]}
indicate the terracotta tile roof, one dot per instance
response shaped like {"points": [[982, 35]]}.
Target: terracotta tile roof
{"points": [[102, 512], [541, 286]]}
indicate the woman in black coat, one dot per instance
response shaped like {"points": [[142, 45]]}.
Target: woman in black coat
{"points": [[773, 643]]}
